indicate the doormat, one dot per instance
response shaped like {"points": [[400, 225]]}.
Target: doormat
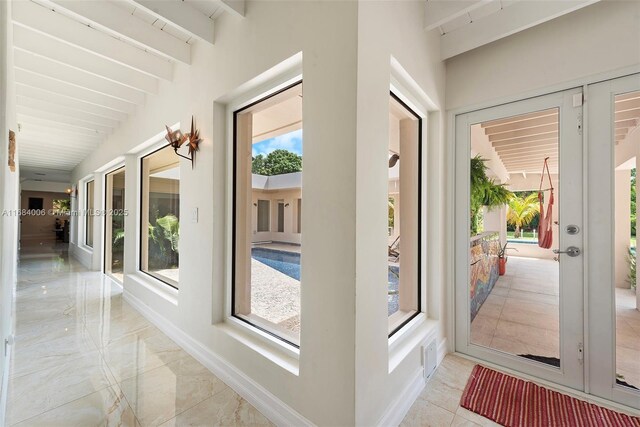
{"points": [[513, 402]]}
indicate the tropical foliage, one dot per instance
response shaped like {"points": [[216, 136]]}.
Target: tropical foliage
{"points": [[484, 192], [276, 163], [522, 210], [164, 237]]}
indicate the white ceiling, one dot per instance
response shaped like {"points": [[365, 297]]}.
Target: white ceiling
{"points": [[467, 24], [82, 67]]}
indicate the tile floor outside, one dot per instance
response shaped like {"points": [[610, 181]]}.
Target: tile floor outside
{"points": [[521, 316], [84, 357]]}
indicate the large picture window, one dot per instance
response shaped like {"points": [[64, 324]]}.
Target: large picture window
{"points": [[89, 206], [267, 192], [404, 213], [160, 216]]}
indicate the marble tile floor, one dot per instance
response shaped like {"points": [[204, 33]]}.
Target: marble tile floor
{"points": [[521, 316], [84, 357], [438, 405]]}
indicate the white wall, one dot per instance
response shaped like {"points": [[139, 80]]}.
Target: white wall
{"points": [[347, 46], [387, 29], [271, 32], [55, 187], [8, 197], [596, 39]]}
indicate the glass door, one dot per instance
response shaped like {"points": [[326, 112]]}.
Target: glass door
{"points": [[114, 224], [614, 299], [519, 228]]}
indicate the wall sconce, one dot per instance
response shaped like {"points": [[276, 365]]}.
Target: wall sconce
{"points": [[176, 139], [286, 205], [393, 160], [255, 204]]}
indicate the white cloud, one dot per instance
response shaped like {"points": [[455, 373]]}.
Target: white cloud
{"points": [[291, 141]]}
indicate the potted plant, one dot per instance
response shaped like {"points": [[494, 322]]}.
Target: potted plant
{"points": [[502, 259]]}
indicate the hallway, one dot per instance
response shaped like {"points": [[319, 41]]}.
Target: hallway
{"points": [[84, 357]]}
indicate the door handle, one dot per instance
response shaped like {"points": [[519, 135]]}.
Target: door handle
{"points": [[572, 251]]}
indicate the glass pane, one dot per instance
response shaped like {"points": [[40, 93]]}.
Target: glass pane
{"points": [[89, 214], [514, 274], [267, 239], [627, 297], [403, 212], [161, 216], [114, 254]]}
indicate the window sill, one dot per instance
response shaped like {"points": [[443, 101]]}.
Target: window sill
{"points": [[279, 352], [85, 248], [156, 286], [412, 335]]}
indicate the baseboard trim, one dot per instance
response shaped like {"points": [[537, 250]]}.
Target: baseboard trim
{"points": [[269, 405], [83, 256], [399, 408], [442, 350], [4, 388]]}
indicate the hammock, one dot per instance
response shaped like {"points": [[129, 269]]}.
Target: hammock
{"points": [[545, 231]]}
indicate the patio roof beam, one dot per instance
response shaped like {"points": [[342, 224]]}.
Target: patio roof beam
{"points": [[115, 20], [32, 79], [34, 93], [626, 115], [61, 118], [540, 130], [521, 117], [180, 15], [30, 41], [440, 12], [28, 124], [28, 120], [61, 72], [56, 25], [533, 139], [526, 146], [68, 112], [551, 151], [524, 124], [510, 20]]}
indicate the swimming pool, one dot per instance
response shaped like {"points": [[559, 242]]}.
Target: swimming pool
{"points": [[289, 263], [285, 262]]}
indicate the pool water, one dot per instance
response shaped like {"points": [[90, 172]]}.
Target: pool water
{"points": [[289, 263], [285, 262]]}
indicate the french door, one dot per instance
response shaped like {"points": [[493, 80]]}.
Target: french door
{"points": [[527, 314], [613, 321]]}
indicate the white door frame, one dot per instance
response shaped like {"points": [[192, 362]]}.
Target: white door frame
{"points": [[571, 373], [600, 260]]}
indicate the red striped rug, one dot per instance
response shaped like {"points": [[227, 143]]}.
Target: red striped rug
{"points": [[513, 402]]}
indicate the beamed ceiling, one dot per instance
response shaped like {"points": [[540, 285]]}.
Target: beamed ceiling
{"points": [[82, 67]]}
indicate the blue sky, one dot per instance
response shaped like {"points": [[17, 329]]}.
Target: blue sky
{"points": [[291, 141]]}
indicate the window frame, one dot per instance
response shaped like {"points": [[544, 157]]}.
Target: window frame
{"points": [[235, 111], [87, 213], [140, 159], [268, 202], [419, 308], [121, 166]]}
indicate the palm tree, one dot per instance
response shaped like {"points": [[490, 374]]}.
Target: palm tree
{"points": [[522, 210]]}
